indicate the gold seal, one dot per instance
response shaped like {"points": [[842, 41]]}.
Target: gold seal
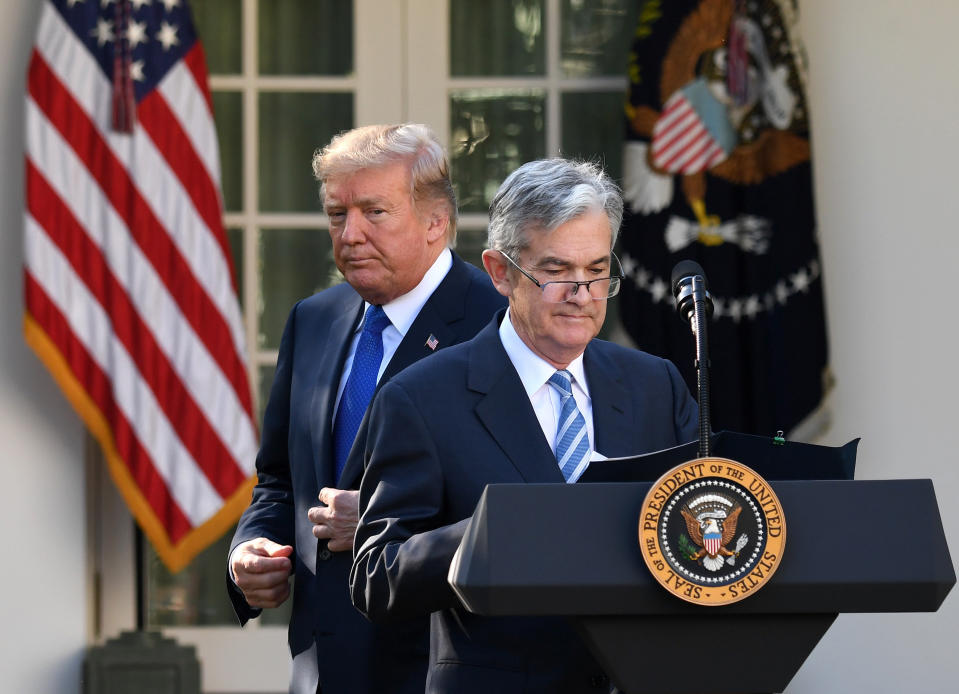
{"points": [[712, 531]]}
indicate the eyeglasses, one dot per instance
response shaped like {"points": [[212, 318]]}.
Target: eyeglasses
{"points": [[561, 291]]}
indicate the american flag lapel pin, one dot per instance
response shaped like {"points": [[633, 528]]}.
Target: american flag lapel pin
{"points": [[432, 342]]}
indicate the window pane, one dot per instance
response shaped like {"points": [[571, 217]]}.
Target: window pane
{"points": [[305, 37], [235, 238], [228, 113], [294, 263], [497, 37], [596, 36], [292, 126], [194, 597], [470, 244], [265, 375], [219, 23], [593, 124], [492, 132]]}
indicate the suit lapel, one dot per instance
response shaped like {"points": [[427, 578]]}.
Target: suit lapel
{"points": [[432, 325], [327, 380], [612, 410], [505, 409], [445, 306]]}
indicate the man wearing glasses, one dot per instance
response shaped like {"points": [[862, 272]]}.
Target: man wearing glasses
{"points": [[532, 398]]}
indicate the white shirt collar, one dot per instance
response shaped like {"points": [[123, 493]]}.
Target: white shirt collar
{"points": [[403, 310], [533, 370]]}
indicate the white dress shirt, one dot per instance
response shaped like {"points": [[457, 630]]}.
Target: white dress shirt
{"points": [[535, 372], [402, 311]]}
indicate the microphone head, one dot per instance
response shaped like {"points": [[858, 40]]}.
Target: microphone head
{"points": [[683, 290], [686, 269]]}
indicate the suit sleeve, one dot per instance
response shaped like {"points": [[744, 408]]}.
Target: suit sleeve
{"points": [[403, 546], [270, 513], [685, 409]]}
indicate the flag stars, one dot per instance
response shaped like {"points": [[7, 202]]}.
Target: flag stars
{"points": [[753, 307], [170, 4], [782, 292], [136, 71], [658, 289], [736, 310], [167, 36], [106, 3], [103, 31], [137, 4], [800, 280], [136, 34], [642, 277], [628, 265]]}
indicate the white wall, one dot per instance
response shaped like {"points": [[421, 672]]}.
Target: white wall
{"points": [[43, 584], [884, 94]]}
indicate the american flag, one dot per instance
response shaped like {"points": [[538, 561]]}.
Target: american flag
{"points": [[692, 134], [130, 297]]}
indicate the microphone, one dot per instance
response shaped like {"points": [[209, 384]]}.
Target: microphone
{"points": [[695, 306], [687, 291]]}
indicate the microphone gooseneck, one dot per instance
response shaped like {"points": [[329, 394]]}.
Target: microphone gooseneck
{"points": [[695, 306]]}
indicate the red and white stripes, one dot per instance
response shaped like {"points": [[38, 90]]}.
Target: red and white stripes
{"points": [[129, 288]]}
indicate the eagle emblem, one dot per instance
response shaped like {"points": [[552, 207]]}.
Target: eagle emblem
{"points": [[711, 523]]}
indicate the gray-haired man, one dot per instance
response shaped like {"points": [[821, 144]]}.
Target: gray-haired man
{"points": [[530, 399]]}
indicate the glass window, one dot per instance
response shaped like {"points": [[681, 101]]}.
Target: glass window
{"points": [[291, 126], [294, 263], [596, 36], [228, 113], [234, 237], [220, 26], [497, 37], [305, 37], [593, 125], [492, 131]]}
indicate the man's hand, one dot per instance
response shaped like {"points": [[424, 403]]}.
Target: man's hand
{"points": [[261, 569], [336, 521]]}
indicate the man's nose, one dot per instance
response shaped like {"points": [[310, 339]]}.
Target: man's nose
{"points": [[353, 228], [580, 294]]}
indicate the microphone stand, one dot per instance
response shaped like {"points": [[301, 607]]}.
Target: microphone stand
{"points": [[698, 325]]}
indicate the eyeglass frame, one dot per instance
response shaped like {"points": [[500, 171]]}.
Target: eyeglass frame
{"points": [[575, 289]]}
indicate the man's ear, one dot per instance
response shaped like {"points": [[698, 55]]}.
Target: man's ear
{"points": [[438, 218], [496, 267]]}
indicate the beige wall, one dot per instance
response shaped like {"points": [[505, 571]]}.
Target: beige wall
{"points": [[885, 103], [884, 94], [43, 579]]}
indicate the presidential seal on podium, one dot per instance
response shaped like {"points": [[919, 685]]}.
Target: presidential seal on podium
{"points": [[712, 531]]}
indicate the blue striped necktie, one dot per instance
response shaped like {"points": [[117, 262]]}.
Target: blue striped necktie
{"points": [[572, 441], [360, 385]]}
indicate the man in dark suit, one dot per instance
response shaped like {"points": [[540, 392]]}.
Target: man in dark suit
{"points": [[532, 398], [392, 212]]}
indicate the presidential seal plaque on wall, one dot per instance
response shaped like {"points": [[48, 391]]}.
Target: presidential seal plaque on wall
{"points": [[712, 531]]}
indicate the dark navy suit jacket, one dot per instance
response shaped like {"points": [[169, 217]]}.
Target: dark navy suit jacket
{"points": [[437, 434], [328, 637]]}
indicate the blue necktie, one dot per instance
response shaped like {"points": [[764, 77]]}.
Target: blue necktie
{"points": [[572, 441], [360, 385]]}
